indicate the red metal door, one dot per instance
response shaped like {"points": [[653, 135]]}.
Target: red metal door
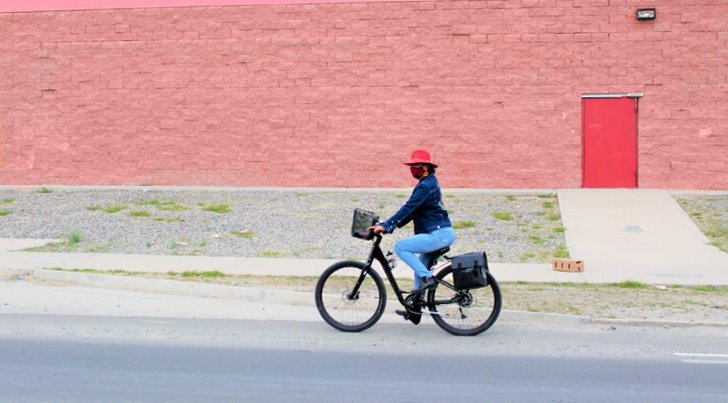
{"points": [[609, 126]]}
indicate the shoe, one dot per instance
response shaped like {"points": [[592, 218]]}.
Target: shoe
{"points": [[414, 314], [413, 317], [425, 284]]}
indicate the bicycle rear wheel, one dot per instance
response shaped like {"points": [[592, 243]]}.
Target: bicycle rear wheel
{"points": [[466, 312], [342, 307]]}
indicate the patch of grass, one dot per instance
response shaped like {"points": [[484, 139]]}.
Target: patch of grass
{"points": [[632, 284], [707, 214], [549, 204], [8, 200], [270, 253], [219, 208], [93, 207], [559, 229], [5, 212], [561, 252], [510, 197], [536, 239], [44, 190], [73, 238], [503, 215], [546, 195], [553, 217], [527, 256], [115, 208], [164, 205], [711, 289], [141, 213], [169, 219], [464, 224], [115, 272], [243, 234], [203, 274]]}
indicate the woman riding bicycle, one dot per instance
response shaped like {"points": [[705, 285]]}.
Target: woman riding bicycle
{"points": [[433, 229]]}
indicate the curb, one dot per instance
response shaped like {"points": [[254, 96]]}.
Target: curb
{"points": [[655, 323], [198, 289], [285, 297]]}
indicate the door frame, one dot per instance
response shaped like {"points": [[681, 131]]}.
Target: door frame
{"points": [[636, 96]]}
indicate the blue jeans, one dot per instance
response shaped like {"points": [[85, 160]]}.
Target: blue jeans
{"points": [[422, 244]]}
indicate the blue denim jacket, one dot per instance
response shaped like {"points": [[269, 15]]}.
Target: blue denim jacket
{"points": [[424, 207]]}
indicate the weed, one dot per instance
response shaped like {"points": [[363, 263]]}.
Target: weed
{"points": [[382, 205], [148, 244], [526, 256], [536, 239], [168, 219], [554, 217], [243, 234], [630, 284], [546, 195], [218, 208], [203, 274], [5, 212], [548, 204], [73, 238], [8, 200], [164, 205], [559, 229], [115, 208], [464, 224], [710, 219], [270, 253], [503, 215], [711, 289], [561, 252], [142, 213], [44, 190], [510, 198], [93, 207]]}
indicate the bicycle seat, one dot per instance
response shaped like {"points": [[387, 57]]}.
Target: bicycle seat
{"points": [[436, 254], [440, 252]]}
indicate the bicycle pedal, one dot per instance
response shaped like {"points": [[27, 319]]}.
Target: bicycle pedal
{"points": [[428, 312]]}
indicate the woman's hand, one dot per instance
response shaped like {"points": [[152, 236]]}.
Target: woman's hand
{"points": [[378, 229]]}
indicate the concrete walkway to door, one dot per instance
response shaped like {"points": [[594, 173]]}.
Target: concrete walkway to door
{"points": [[639, 234]]}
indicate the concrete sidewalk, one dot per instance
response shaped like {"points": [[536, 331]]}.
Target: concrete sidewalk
{"points": [[638, 234], [620, 234]]}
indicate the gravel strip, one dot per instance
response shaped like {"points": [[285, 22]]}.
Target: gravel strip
{"points": [[514, 227]]}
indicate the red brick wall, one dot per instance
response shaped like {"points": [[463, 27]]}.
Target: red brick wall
{"points": [[338, 94]]}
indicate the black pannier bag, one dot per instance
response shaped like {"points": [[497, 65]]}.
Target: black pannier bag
{"points": [[469, 270], [363, 219]]}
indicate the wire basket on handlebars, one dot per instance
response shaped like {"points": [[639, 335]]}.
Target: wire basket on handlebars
{"points": [[363, 219]]}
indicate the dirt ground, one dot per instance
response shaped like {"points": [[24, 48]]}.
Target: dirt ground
{"points": [[622, 302]]}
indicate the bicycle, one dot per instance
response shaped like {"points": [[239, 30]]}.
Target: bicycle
{"points": [[351, 297]]}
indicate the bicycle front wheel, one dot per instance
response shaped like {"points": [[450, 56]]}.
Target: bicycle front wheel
{"points": [[350, 296], [465, 312]]}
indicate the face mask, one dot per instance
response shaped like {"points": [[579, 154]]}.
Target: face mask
{"points": [[417, 172]]}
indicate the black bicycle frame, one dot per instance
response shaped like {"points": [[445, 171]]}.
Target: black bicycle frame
{"points": [[377, 254]]}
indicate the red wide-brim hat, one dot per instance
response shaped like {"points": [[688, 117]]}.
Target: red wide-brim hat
{"points": [[420, 157]]}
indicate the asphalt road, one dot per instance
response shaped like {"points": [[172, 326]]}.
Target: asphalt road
{"points": [[100, 358]]}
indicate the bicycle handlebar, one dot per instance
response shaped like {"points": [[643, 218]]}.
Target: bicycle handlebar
{"points": [[366, 234]]}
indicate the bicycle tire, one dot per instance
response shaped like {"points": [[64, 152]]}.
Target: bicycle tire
{"points": [[334, 301], [470, 312]]}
